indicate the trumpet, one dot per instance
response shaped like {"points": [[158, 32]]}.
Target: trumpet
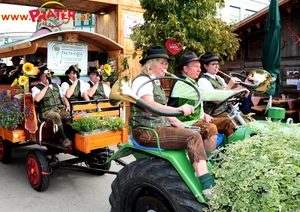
{"points": [[11, 73], [261, 80]]}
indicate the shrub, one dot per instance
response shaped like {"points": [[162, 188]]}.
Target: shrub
{"points": [[261, 173]]}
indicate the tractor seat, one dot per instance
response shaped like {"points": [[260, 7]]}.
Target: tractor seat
{"points": [[137, 145]]}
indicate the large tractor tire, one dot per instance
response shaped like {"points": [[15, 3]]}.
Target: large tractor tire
{"points": [[151, 185], [38, 170], [5, 151]]}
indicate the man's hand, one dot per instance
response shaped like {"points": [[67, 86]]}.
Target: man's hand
{"points": [[186, 109], [207, 118]]}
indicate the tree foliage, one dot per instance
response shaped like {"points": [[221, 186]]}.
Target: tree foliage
{"points": [[190, 22]]}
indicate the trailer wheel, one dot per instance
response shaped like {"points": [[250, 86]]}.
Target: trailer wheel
{"points": [[5, 151], [38, 170], [102, 155], [151, 185]]}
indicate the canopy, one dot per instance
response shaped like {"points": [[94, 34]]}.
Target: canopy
{"points": [[271, 53]]}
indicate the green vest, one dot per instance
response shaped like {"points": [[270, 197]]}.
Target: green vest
{"points": [[192, 118], [76, 96], [140, 117], [51, 100], [99, 93], [217, 86], [214, 82]]}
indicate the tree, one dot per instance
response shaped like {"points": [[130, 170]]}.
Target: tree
{"points": [[190, 22]]}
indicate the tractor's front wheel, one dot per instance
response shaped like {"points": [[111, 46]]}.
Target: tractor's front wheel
{"points": [[151, 185], [5, 151], [38, 170]]}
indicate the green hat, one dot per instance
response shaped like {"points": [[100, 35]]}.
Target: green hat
{"points": [[155, 52]]}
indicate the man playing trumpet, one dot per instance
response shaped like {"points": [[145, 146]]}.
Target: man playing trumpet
{"points": [[181, 94]]}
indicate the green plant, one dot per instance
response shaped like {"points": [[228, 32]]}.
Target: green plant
{"points": [[261, 173], [88, 124], [115, 74], [11, 113]]}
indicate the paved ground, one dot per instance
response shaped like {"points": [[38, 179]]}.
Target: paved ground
{"points": [[69, 190]]}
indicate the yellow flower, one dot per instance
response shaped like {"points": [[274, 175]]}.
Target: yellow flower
{"points": [[28, 68], [107, 69], [15, 82], [23, 80]]}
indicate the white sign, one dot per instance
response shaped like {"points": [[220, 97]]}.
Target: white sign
{"points": [[61, 55], [130, 22]]}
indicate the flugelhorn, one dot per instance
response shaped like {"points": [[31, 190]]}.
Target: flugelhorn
{"points": [[121, 91], [262, 80]]}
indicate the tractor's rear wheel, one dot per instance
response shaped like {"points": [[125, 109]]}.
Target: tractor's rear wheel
{"points": [[38, 170], [151, 185], [5, 151]]}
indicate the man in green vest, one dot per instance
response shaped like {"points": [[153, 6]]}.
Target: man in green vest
{"points": [[181, 94], [74, 89], [51, 104], [96, 90]]}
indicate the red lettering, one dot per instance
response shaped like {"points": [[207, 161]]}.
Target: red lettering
{"points": [[72, 15], [5, 17], [64, 15], [42, 16], [24, 17], [58, 13], [34, 14], [51, 14]]}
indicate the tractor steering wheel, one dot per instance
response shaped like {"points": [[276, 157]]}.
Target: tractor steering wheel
{"points": [[225, 105]]}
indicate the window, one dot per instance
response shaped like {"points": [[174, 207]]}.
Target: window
{"points": [[84, 21], [235, 14], [249, 13]]}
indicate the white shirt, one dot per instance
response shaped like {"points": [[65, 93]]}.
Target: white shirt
{"points": [[35, 90], [205, 84], [147, 89], [105, 88], [65, 86]]}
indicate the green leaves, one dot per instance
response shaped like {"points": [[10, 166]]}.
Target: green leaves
{"points": [[192, 23], [261, 173]]}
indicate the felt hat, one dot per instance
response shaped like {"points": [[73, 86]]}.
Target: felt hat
{"points": [[44, 69], [93, 70], [73, 68], [16, 57], [208, 57], [186, 58], [155, 52]]}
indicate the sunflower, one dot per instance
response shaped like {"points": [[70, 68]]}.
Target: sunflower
{"points": [[107, 69], [28, 68], [15, 82], [23, 80]]}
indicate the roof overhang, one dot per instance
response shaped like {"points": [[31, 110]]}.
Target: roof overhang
{"points": [[261, 16], [30, 45]]}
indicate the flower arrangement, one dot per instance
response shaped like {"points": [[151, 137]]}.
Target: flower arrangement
{"points": [[23, 81], [11, 113]]}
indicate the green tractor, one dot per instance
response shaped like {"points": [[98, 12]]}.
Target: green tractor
{"points": [[164, 180]]}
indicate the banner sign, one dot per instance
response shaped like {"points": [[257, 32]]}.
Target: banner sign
{"points": [[61, 55]]}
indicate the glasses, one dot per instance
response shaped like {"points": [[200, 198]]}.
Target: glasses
{"points": [[215, 64]]}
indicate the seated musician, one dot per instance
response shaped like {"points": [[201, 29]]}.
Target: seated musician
{"points": [[95, 88], [51, 104]]}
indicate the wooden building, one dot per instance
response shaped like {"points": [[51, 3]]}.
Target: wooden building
{"points": [[251, 32]]}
